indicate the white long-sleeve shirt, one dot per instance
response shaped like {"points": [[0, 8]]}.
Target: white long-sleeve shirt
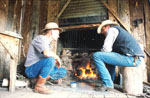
{"points": [[111, 36]]}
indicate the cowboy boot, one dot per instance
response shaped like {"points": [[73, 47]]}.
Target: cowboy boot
{"points": [[48, 77], [33, 82], [40, 87]]}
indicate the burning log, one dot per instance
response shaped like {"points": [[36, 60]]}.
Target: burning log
{"points": [[80, 63], [79, 72], [85, 73]]}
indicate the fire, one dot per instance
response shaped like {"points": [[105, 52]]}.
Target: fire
{"points": [[86, 73]]}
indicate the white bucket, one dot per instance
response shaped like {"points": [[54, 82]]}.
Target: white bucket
{"points": [[73, 84]]}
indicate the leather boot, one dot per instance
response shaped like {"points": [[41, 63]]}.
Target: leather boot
{"points": [[104, 89], [33, 82], [40, 87], [48, 77]]}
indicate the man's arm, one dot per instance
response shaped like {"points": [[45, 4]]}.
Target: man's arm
{"points": [[111, 36], [52, 54]]}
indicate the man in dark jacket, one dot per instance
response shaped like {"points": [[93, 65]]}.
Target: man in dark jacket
{"points": [[120, 48]]}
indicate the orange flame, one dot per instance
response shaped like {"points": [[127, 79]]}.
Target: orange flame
{"points": [[86, 73]]}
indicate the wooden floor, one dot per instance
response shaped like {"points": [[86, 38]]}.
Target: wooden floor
{"points": [[63, 92]]}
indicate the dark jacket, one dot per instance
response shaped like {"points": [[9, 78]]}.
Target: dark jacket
{"points": [[125, 44]]}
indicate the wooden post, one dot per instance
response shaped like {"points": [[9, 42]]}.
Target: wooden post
{"points": [[53, 8], [13, 70], [26, 26], [43, 14], [147, 33]]}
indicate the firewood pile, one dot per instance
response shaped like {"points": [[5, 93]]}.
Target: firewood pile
{"points": [[146, 91], [73, 61], [66, 59]]}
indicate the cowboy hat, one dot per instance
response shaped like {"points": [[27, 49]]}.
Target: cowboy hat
{"points": [[50, 26], [104, 23]]}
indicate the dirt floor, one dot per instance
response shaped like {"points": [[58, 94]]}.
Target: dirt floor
{"points": [[83, 89], [61, 92]]}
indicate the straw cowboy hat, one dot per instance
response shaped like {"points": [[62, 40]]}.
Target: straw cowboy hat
{"points": [[50, 26], [104, 23]]}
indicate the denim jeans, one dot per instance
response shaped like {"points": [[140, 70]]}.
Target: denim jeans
{"points": [[45, 67], [113, 59]]}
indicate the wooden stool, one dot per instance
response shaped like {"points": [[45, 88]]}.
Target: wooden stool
{"points": [[133, 79]]}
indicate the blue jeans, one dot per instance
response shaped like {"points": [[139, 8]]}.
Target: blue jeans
{"points": [[111, 69], [113, 59], [45, 67]]}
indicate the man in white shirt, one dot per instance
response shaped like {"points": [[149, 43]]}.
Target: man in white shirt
{"points": [[41, 62]]}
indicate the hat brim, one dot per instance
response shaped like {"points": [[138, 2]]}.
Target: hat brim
{"points": [[99, 30], [60, 30]]}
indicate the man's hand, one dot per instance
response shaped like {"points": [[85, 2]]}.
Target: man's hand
{"points": [[58, 62], [52, 54], [59, 81]]}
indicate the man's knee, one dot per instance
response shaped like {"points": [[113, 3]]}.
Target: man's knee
{"points": [[96, 55], [63, 70], [50, 61]]}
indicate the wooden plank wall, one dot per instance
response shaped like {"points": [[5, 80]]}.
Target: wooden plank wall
{"points": [[137, 15], [43, 13], [16, 26], [37, 14], [27, 20], [3, 20], [34, 17], [27, 17], [113, 5], [13, 16], [147, 32], [3, 14], [137, 24], [4, 63]]}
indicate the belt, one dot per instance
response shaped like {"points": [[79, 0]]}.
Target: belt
{"points": [[135, 58]]}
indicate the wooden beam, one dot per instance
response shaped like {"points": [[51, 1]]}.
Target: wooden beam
{"points": [[113, 5], [43, 14], [81, 26], [117, 17], [26, 26], [11, 55], [147, 52], [53, 9], [147, 23], [146, 83], [63, 9], [17, 16], [35, 18]]}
